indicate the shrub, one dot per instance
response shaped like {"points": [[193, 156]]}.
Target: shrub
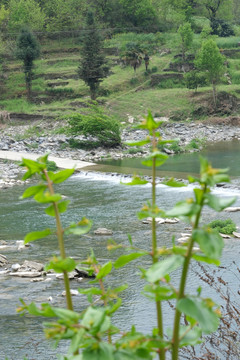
{"points": [[223, 226], [51, 166], [221, 28], [105, 130], [195, 79]]}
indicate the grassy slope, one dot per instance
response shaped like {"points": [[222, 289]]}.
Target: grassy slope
{"points": [[128, 93]]}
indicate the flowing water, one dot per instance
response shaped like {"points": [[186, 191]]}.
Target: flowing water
{"points": [[109, 204]]}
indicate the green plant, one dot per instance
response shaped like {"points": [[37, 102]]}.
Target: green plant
{"points": [[105, 130], [223, 226], [51, 165], [27, 50], [91, 332]]}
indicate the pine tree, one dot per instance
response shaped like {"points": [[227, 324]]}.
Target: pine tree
{"points": [[93, 66], [27, 49]]}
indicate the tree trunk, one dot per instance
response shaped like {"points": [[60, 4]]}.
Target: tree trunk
{"points": [[214, 94]]}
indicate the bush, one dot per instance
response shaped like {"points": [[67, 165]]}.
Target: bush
{"points": [[223, 226], [105, 130], [51, 166], [221, 28], [195, 79]]}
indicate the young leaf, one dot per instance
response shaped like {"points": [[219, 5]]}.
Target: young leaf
{"points": [[35, 235], [159, 159], [218, 204], [183, 208], [198, 310], [60, 176], [160, 269], [81, 228], [136, 180], [173, 183], [62, 207], [33, 190], [46, 197], [104, 271], [210, 242], [125, 259], [191, 337], [59, 265], [138, 143]]}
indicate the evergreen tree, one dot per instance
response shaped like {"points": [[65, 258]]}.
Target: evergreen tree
{"points": [[27, 50], [93, 66]]}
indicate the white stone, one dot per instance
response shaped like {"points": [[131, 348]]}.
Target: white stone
{"points": [[237, 235], [73, 292], [27, 274], [225, 236], [15, 267], [232, 209], [103, 231]]}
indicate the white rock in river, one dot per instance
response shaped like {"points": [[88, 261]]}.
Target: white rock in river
{"points": [[237, 235], [15, 267], [103, 231], [232, 209], [33, 265], [26, 274], [225, 236], [73, 292]]}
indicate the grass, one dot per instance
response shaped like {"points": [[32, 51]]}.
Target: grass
{"points": [[124, 91]]}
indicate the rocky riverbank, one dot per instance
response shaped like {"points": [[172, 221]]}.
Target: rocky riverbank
{"points": [[14, 138]]}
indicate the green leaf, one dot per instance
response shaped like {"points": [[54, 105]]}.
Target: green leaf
{"points": [[104, 271], [46, 197], [183, 208], [60, 265], [81, 228], [149, 123], [210, 242], [35, 235], [198, 310], [159, 293], [101, 351], [46, 310], [205, 259], [160, 269], [96, 320], [33, 166], [218, 204], [136, 180], [62, 207], [138, 143], [60, 176], [125, 259], [173, 183], [192, 337], [159, 159], [33, 190]]}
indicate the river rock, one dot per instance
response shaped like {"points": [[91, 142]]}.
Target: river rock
{"points": [[232, 209], [26, 274], [103, 231], [73, 292], [237, 235], [15, 267], [32, 265], [172, 221], [225, 236], [3, 260]]}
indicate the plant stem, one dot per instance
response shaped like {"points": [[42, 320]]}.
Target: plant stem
{"points": [[154, 248], [60, 243], [175, 340]]}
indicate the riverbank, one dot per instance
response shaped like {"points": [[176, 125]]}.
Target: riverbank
{"points": [[14, 139]]}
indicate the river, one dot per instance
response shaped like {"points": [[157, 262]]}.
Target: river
{"points": [[109, 204]]}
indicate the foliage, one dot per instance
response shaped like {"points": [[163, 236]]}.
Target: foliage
{"points": [[223, 226], [211, 61], [139, 13], [105, 130], [24, 13], [27, 50], [195, 79], [221, 28], [92, 332], [93, 66], [186, 36], [51, 165]]}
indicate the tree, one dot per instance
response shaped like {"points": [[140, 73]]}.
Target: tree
{"points": [[25, 13], [93, 67], [27, 50], [210, 60], [186, 35]]}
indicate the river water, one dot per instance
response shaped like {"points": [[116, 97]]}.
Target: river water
{"points": [[109, 204]]}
